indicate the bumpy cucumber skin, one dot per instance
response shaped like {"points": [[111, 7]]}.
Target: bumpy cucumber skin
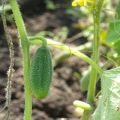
{"points": [[41, 72]]}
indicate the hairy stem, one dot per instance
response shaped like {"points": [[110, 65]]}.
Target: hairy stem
{"points": [[11, 51], [26, 58], [74, 51], [93, 74], [95, 57]]}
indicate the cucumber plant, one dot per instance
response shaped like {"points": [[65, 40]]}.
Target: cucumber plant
{"points": [[38, 73]]}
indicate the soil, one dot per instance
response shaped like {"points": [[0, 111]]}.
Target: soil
{"points": [[65, 87]]}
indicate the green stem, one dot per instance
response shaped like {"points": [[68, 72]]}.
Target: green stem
{"points": [[26, 57], [37, 41], [95, 57], [44, 41], [93, 74]]}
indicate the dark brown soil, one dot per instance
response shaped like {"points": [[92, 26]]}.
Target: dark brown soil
{"points": [[65, 86]]}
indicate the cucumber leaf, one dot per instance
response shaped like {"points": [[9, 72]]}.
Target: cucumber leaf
{"points": [[109, 101], [113, 34], [117, 47], [118, 11]]}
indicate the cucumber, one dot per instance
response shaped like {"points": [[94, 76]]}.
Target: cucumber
{"points": [[41, 72]]}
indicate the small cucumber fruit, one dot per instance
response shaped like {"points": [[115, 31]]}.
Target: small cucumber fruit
{"points": [[41, 72]]}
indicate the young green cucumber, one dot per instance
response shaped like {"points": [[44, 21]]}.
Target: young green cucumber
{"points": [[41, 72]]}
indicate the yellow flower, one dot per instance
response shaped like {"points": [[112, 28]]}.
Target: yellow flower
{"points": [[78, 3], [82, 3]]}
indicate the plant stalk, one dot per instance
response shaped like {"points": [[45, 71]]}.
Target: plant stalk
{"points": [[93, 74], [95, 58], [72, 51], [26, 58]]}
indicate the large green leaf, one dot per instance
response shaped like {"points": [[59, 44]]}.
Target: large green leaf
{"points": [[117, 47], [113, 34], [114, 27], [109, 101], [118, 11]]}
